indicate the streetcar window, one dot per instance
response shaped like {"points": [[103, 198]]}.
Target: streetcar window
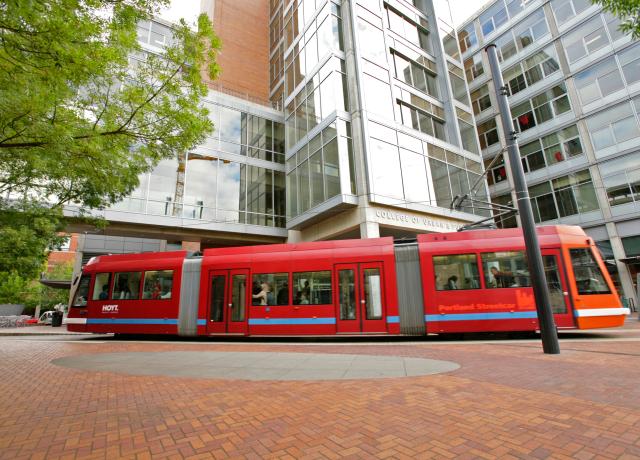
{"points": [[458, 271], [101, 286], [126, 285], [589, 279], [158, 284], [312, 288], [80, 298], [505, 269], [270, 289]]}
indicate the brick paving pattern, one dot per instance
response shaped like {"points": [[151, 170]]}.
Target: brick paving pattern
{"points": [[508, 400]]}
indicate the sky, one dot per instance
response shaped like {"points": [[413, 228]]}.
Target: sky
{"points": [[189, 9]]}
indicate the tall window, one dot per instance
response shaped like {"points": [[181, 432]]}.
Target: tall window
{"points": [[488, 133], [480, 99], [467, 37], [473, 67], [415, 32]]}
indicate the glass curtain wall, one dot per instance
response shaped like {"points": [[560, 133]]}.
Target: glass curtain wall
{"points": [[211, 186]]}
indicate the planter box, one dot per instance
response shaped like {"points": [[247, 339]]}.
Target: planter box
{"points": [[11, 309]]}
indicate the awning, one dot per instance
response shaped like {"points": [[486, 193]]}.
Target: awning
{"points": [[631, 260], [56, 284]]}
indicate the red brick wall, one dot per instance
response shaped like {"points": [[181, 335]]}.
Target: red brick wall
{"points": [[62, 257], [243, 28]]}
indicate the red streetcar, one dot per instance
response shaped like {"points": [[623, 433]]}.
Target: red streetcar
{"points": [[470, 281]]}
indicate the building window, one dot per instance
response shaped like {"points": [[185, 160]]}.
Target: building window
{"points": [[561, 145], [621, 178], [422, 121], [480, 99], [531, 70], [564, 196], [467, 132], [613, 126], [488, 133], [586, 39], [599, 81], [630, 62], [473, 67], [313, 174], [531, 29], [450, 44], [541, 108], [458, 85], [631, 245], [415, 74], [493, 18], [504, 221], [506, 46], [467, 38], [564, 10], [415, 32]]}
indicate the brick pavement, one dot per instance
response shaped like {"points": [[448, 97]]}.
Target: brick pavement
{"points": [[508, 400]]}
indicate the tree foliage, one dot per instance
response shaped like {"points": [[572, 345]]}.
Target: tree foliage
{"points": [[27, 229], [84, 111], [78, 123], [628, 11]]}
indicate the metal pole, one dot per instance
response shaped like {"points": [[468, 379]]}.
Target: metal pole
{"points": [[548, 332]]}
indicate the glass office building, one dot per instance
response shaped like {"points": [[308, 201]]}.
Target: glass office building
{"points": [[379, 129], [346, 120], [574, 85]]}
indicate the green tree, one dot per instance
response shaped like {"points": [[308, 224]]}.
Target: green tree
{"points": [[628, 11], [80, 119], [49, 297]]}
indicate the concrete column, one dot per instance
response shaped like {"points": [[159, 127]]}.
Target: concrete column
{"points": [[294, 236], [369, 229], [623, 272]]}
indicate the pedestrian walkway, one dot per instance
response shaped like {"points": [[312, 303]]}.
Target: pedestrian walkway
{"points": [[37, 329], [62, 398]]}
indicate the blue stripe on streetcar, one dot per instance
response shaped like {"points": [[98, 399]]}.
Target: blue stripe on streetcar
{"points": [[289, 321], [393, 319], [202, 322], [131, 321], [482, 316]]}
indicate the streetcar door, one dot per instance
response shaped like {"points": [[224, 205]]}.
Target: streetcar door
{"points": [[360, 298], [228, 296], [558, 289]]}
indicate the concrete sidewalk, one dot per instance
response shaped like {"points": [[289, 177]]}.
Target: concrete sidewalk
{"points": [[37, 329], [505, 400]]}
